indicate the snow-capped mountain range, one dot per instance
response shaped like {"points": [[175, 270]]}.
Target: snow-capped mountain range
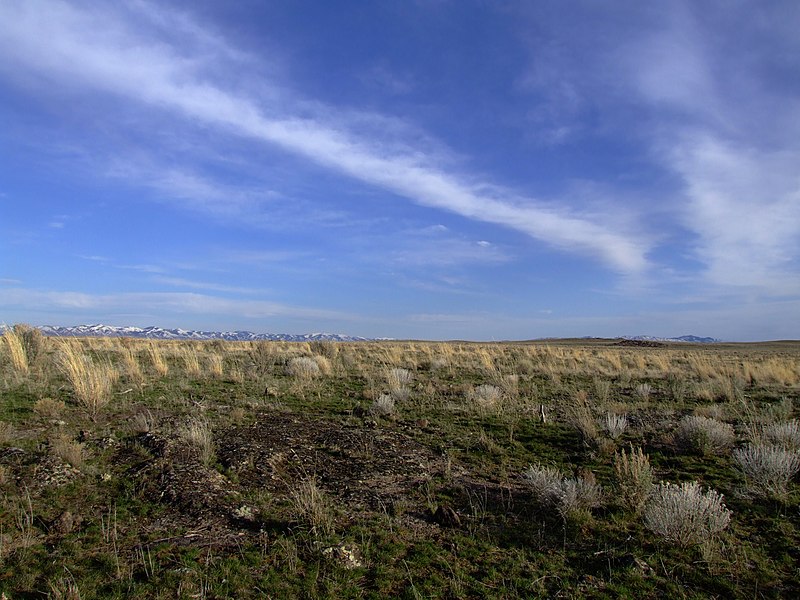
{"points": [[182, 334], [248, 336]]}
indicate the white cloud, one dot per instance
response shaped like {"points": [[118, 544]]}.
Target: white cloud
{"points": [[163, 303], [97, 50]]}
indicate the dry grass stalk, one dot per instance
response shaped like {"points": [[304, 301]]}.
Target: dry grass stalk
{"points": [[131, 368], [16, 351], [157, 359], [634, 478], [580, 416], [312, 506], [91, 382], [191, 361], [215, 365], [197, 433]]}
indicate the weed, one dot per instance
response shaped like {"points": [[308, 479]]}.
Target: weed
{"points": [[634, 478], [684, 515], [615, 425]]}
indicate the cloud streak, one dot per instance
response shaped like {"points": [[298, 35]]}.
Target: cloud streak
{"points": [[100, 51]]}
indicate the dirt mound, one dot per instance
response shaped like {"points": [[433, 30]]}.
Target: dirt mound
{"points": [[362, 467]]}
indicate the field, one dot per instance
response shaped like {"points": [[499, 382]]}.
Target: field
{"points": [[179, 469]]}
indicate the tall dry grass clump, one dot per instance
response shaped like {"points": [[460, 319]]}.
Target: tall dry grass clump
{"points": [[303, 368], [131, 368], [215, 365], [634, 478], [16, 351], [197, 434], [579, 415], [399, 381], [191, 362], [684, 515], [157, 359], [92, 382]]}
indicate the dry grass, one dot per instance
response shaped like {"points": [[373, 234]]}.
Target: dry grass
{"points": [[215, 365], [49, 408], [313, 508], [91, 382], [16, 351], [157, 359], [197, 434], [67, 450]]}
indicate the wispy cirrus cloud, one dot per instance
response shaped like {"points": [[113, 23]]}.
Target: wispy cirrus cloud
{"points": [[163, 303], [103, 50]]}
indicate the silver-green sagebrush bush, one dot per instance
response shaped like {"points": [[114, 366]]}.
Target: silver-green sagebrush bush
{"points": [[569, 496], [684, 515], [701, 435], [767, 469]]}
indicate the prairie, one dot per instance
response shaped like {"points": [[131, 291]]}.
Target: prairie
{"points": [[574, 468]]}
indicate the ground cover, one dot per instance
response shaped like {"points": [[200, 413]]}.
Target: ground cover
{"points": [[574, 468]]}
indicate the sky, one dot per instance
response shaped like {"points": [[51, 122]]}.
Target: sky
{"points": [[406, 169]]}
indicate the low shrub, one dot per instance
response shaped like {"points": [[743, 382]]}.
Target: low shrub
{"points": [[684, 515], [767, 469], [702, 435], [569, 496]]}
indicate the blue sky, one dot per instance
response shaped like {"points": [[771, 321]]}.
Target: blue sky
{"points": [[437, 170]]}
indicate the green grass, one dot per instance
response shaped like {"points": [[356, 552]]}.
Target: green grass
{"points": [[137, 534]]}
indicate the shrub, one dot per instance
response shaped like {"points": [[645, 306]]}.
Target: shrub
{"points": [[615, 425], [786, 435], [569, 496], [702, 435], [383, 406], [634, 478], [485, 397], [303, 367], [767, 469], [684, 515]]}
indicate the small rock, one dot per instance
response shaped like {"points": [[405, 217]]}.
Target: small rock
{"points": [[348, 555], [65, 523], [447, 517]]}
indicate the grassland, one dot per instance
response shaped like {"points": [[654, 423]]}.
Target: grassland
{"points": [[177, 469]]}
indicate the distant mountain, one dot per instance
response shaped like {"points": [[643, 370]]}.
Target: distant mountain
{"points": [[691, 339], [160, 333]]}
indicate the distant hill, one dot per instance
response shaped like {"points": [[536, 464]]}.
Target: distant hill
{"points": [[692, 339]]}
